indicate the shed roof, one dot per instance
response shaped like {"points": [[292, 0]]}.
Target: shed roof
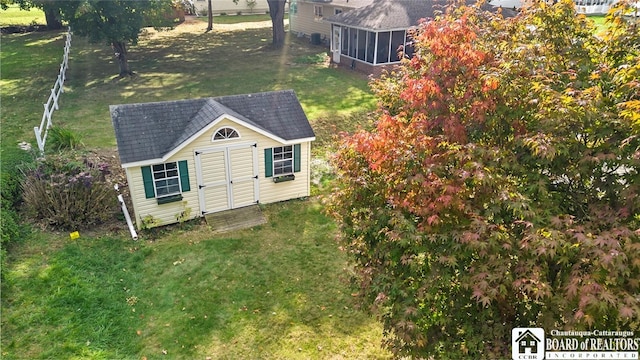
{"points": [[147, 131], [387, 15]]}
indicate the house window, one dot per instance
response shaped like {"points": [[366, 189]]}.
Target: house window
{"points": [[397, 43], [384, 46], [337, 11], [166, 182], [166, 179], [282, 160], [345, 41], [225, 133], [362, 44], [317, 11]]}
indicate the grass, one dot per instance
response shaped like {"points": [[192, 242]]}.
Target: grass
{"points": [[600, 23], [276, 291], [14, 16], [178, 64]]}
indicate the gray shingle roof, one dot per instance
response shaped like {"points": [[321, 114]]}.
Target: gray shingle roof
{"points": [[392, 14], [151, 130]]}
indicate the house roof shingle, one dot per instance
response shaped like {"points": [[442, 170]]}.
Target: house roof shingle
{"points": [[148, 131], [385, 15]]}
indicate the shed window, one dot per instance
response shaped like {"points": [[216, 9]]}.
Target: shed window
{"points": [[167, 180], [282, 160], [225, 133]]}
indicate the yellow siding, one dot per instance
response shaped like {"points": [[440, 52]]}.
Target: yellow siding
{"points": [[304, 22], [242, 165], [242, 172], [215, 177], [230, 8], [165, 213]]}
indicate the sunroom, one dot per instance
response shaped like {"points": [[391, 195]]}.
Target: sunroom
{"points": [[375, 36], [374, 47]]}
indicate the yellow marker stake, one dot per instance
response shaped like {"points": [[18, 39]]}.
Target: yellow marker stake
{"points": [[74, 235]]}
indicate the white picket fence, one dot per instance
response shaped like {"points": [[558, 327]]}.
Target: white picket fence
{"points": [[52, 103]]}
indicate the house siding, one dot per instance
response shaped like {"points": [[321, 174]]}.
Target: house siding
{"points": [[305, 23], [268, 190], [230, 8]]}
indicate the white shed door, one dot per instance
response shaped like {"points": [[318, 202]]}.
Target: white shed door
{"points": [[227, 177]]}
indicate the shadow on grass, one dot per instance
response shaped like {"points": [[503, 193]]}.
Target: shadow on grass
{"points": [[275, 291], [178, 64]]}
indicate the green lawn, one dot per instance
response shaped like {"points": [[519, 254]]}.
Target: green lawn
{"points": [[182, 63], [14, 16], [276, 291]]}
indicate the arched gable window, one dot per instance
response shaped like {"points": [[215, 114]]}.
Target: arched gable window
{"points": [[225, 133]]}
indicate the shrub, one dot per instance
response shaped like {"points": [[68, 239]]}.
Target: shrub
{"points": [[62, 138], [10, 231], [499, 188], [10, 177], [68, 191]]}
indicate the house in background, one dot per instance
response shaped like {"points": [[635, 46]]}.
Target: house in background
{"points": [[306, 16], [208, 155], [228, 7], [368, 38]]}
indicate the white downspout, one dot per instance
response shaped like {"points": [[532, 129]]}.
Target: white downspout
{"points": [[132, 230]]}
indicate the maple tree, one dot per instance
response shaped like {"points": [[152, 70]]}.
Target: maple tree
{"points": [[118, 23], [499, 188]]}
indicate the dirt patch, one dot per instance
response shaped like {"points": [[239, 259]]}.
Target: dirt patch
{"points": [[114, 176]]}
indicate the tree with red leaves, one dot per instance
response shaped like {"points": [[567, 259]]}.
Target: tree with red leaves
{"points": [[499, 188]]}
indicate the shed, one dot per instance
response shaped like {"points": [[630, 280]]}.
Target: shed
{"points": [[186, 158]]}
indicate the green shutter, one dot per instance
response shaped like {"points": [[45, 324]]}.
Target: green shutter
{"points": [[296, 158], [268, 162], [184, 175], [147, 179]]}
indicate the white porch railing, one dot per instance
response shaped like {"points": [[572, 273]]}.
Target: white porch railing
{"points": [[52, 103]]}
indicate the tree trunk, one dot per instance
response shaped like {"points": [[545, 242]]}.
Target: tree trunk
{"points": [[210, 12], [52, 16], [120, 51], [276, 11]]}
